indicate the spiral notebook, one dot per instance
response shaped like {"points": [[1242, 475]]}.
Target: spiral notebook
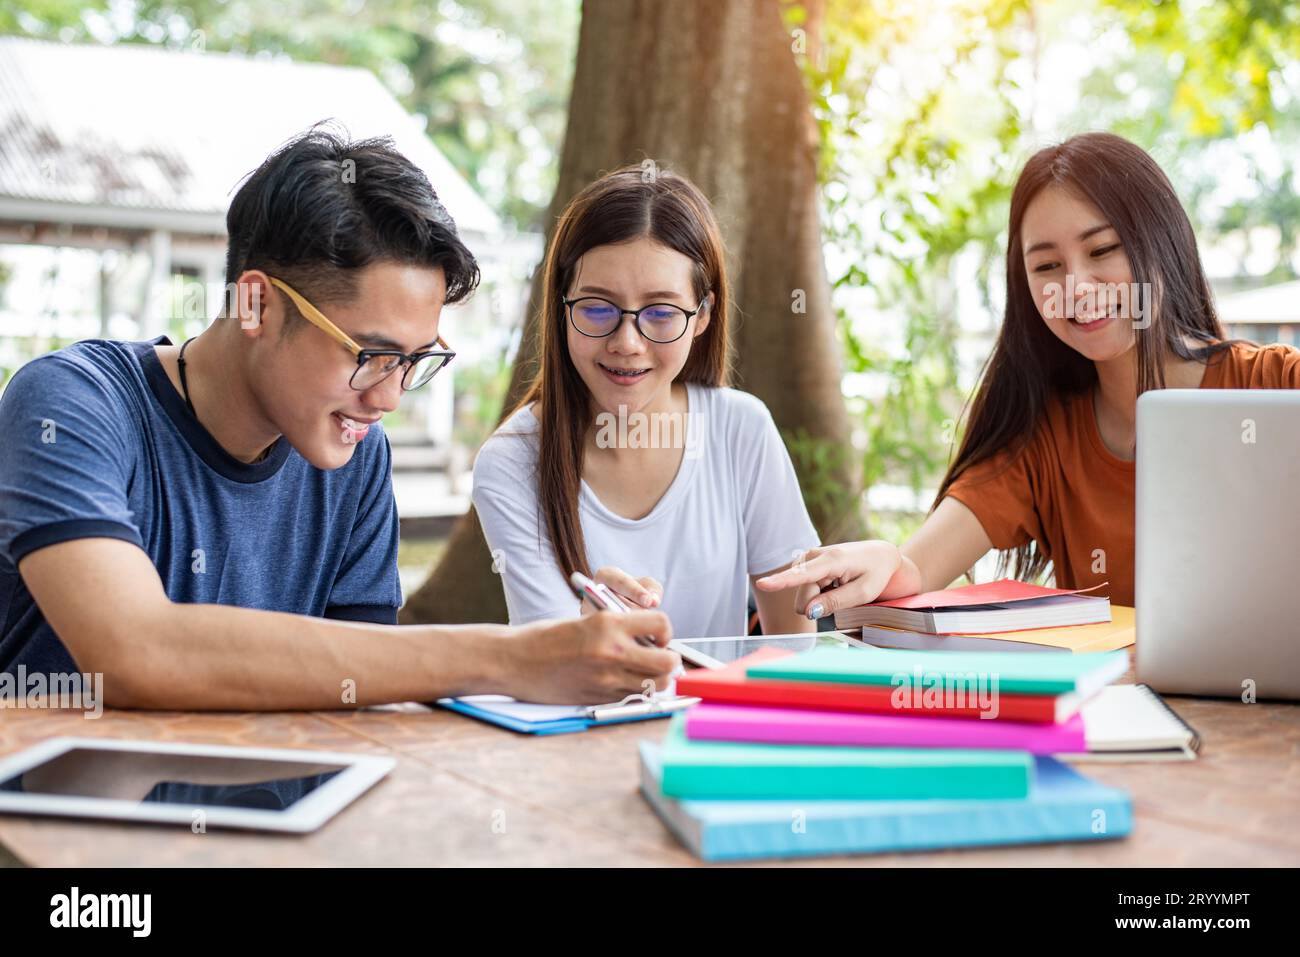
{"points": [[1133, 723], [1122, 723]]}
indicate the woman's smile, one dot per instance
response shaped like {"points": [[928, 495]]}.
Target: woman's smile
{"points": [[623, 375]]}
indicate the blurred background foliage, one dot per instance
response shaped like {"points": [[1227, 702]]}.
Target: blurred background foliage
{"points": [[926, 111]]}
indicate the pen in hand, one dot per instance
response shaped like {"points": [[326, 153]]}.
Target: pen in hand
{"points": [[604, 599]]}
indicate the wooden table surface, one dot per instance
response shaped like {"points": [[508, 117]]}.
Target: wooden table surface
{"points": [[468, 793]]}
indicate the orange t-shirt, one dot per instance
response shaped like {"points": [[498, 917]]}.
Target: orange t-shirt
{"points": [[1069, 493]]}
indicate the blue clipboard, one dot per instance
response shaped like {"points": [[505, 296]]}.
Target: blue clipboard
{"points": [[632, 708]]}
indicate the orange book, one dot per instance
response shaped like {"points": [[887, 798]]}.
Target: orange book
{"points": [[1111, 635]]}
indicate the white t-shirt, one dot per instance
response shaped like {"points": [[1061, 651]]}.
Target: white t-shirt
{"points": [[734, 509]]}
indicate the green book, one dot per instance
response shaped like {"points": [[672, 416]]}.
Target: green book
{"points": [[1015, 672], [721, 770]]}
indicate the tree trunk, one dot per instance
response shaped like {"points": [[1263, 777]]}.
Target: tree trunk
{"points": [[710, 90]]}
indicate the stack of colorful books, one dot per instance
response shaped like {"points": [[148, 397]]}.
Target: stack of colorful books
{"points": [[841, 750], [1002, 615]]}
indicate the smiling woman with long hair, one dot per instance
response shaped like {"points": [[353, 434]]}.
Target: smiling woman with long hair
{"points": [[1106, 299], [629, 451]]}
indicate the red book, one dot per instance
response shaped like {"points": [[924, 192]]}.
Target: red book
{"points": [[730, 685], [1000, 592]]}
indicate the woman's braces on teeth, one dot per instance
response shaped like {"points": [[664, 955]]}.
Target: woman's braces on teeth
{"points": [[630, 373]]}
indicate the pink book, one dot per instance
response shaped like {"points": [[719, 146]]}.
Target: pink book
{"points": [[728, 722]]}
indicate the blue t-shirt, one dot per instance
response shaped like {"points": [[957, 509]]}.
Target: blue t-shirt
{"points": [[97, 443]]}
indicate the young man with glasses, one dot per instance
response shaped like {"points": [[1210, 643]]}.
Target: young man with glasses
{"points": [[212, 525]]}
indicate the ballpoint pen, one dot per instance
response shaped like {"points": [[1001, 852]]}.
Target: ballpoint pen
{"points": [[603, 598]]}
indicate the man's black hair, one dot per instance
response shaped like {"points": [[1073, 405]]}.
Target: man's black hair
{"points": [[322, 206]]}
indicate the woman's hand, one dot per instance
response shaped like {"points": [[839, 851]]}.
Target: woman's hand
{"points": [[635, 592], [834, 577]]}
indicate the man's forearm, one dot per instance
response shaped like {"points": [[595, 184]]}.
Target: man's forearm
{"points": [[104, 599], [219, 657]]}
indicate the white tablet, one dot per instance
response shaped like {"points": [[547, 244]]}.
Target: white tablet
{"points": [[195, 785], [716, 652]]}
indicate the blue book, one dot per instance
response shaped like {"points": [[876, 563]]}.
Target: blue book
{"points": [[1062, 805]]}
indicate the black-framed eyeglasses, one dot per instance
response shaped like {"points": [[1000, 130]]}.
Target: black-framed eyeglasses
{"points": [[660, 322], [374, 365]]}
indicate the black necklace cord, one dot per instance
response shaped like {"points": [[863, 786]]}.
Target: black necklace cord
{"points": [[185, 391], [180, 366]]}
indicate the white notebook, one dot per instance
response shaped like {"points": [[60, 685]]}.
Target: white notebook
{"points": [[1133, 723]]}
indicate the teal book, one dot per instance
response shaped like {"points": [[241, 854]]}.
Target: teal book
{"points": [[725, 769], [970, 672], [1062, 805]]}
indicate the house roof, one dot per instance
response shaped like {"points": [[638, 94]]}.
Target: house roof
{"points": [[144, 137]]}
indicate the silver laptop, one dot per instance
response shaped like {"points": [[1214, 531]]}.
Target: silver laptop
{"points": [[1218, 542]]}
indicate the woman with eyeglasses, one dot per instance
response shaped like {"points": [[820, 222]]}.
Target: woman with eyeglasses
{"points": [[629, 459]]}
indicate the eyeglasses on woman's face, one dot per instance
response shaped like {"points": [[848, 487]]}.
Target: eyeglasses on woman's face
{"points": [[660, 322]]}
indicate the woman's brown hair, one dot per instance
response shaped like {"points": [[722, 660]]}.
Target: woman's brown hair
{"points": [[625, 205], [1029, 365]]}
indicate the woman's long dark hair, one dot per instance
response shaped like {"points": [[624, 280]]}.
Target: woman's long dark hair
{"points": [[1029, 365], [621, 206]]}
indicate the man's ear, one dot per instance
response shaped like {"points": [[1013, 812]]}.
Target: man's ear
{"points": [[256, 305]]}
